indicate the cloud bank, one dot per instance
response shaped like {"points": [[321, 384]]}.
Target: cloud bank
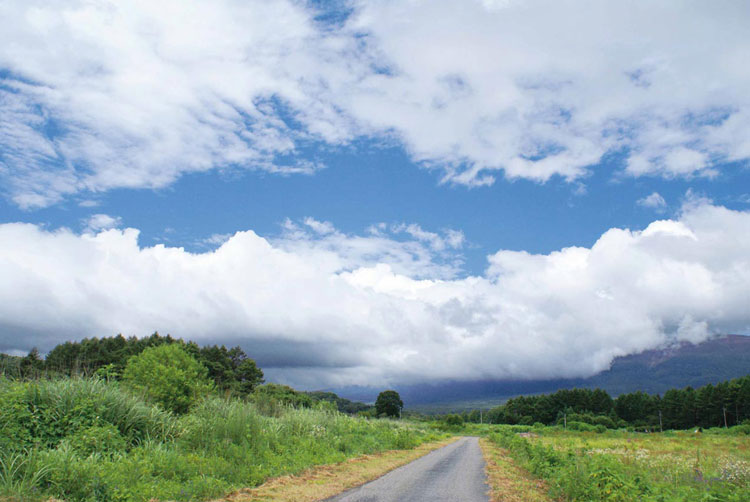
{"points": [[100, 95], [320, 308]]}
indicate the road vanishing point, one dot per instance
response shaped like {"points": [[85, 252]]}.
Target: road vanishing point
{"points": [[453, 473]]}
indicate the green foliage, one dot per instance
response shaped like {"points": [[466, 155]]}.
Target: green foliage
{"points": [[231, 369], [454, 420], [709, 406], [32, 365], [575, 470], [169, 376], [102, 439], [389, 403], [20, 473], [218, 446], [273, 399], [343, 405], [41, 414], [10, 366]]}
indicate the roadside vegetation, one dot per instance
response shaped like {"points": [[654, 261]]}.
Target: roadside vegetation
{"points": [[165, 429], [87, 439], [582, 445], [118, 419], [624, 466]]}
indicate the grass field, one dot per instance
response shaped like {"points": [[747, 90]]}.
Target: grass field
{"points": [[627, 466], [88, 440]]}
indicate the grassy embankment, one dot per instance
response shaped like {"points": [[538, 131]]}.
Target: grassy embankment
{"points": [[619, 465], [86, 440]]}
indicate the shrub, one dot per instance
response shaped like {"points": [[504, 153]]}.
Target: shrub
{"points": [[580, 426], [104, 444], [102, 439], [43, 413], [169, 376], [454, 420], [272, 399]]}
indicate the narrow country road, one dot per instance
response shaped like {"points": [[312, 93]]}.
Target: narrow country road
{"points": [[453, 473]]}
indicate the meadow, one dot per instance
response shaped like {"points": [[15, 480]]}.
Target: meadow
{"points": [[91, 440], [621, 465]]}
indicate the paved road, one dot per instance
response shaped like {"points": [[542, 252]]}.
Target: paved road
{"points": [[453, 473]]}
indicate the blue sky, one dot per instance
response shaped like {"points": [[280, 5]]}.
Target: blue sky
{"points": [[369, 183], [492, 191]]}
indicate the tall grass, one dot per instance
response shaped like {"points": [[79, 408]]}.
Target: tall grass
{"points": [[621, 466], [89, 440], [43, 413], [20, 473]]}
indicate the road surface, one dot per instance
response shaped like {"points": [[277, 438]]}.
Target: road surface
{"points": [[453, 473]]}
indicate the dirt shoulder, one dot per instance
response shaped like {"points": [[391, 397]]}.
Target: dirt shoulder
{"points": [[509, 482]]}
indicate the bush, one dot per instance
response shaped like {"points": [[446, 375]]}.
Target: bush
{"points": [[453, 420], [43, 413], [100, 439], [168, 376], [272, 399], [91, 440], [580, 426]]}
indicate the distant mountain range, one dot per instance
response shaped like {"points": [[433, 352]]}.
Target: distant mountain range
{"points": [[653, 371]]}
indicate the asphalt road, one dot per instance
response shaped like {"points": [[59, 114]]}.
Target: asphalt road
{"points": [[453, 473]]}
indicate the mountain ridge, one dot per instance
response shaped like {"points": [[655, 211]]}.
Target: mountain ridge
{"points": [[652, 371]]}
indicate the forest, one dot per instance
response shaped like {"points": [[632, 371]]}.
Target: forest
{"points": [[231, 370], [723, 404], [159, 418], [234, 373]]}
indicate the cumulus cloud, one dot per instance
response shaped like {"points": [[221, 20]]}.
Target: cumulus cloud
{"points": [[330, 309], [98, 95], [653, 201]]}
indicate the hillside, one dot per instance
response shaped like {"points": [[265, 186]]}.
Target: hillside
{"points": [[653, 371]]}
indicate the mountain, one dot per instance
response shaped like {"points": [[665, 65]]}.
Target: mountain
{"points": [[653, 371]]}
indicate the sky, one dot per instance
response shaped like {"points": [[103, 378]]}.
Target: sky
{"points": [[377, 193]]}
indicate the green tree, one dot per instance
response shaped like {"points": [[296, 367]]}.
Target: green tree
{"points": [[169, 376], [32, 365], [389, 403]]}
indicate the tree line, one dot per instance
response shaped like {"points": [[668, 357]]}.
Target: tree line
{"points": [[231, 370], [724, 404]]}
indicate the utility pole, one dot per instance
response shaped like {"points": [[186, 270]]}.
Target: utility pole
{"points": [[661, 429], [725, 417]]}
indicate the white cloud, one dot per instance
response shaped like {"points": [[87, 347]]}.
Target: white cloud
{"points": [[451, 239], [335, 309], [98, 222], [99, 95], [539, 89], [654, 201]]}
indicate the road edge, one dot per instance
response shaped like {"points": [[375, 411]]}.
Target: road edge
{"points": [[508, 482], [324, 481]]}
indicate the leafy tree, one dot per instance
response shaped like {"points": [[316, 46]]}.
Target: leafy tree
{"points": [[454, 420], [389, 403], [32, 364], [230, 369], [168, 375]]}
